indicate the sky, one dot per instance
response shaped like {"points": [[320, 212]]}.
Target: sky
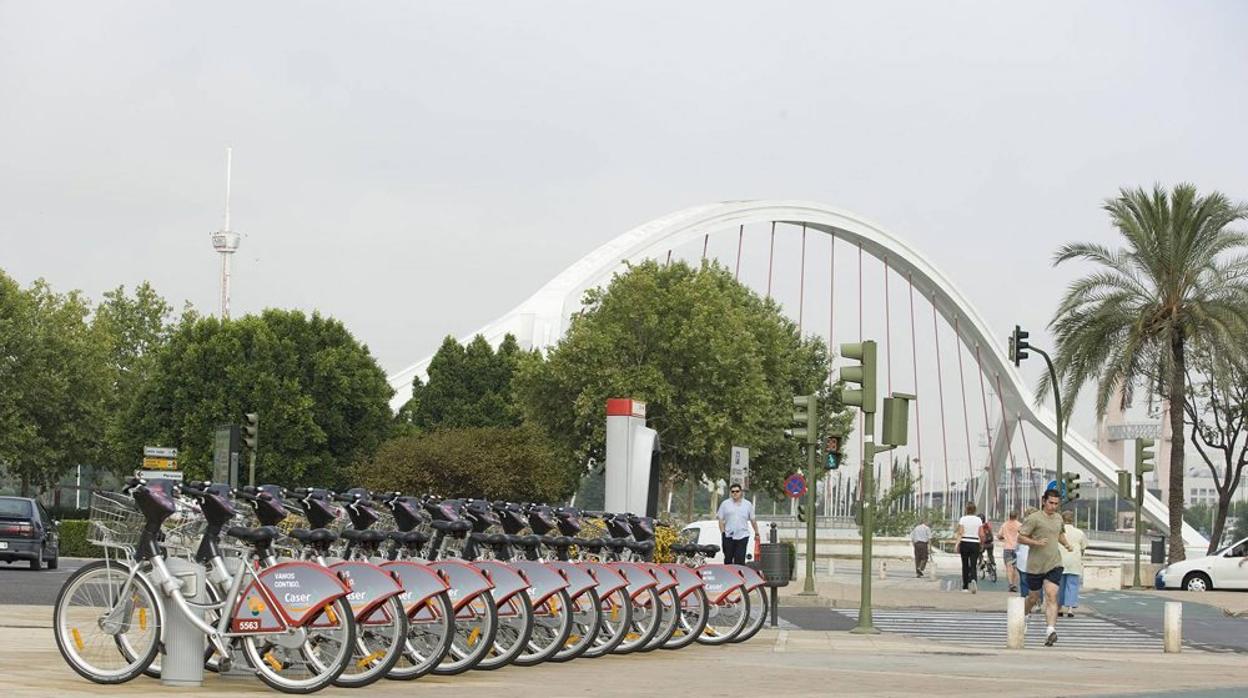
{"points": [[418, 169]]}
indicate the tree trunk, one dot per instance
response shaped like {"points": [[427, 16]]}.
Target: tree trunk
{"points": [[1178, 393], [25, 485], [1219, 519], [689, 503]]}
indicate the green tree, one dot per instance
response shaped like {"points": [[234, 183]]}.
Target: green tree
{"points": [[134, 329], [468, 387], [1182, 277], [1216, 410], [52, 383], [321, 397], [716, 364], [503, 463]]}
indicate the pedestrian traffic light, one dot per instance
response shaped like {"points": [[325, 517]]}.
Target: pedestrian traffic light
{"points": [[1071, 480], [833, 453], [1124, 484], [1019, 345], [1144, 456], [862, 375], [805, 419], [251, 432]]}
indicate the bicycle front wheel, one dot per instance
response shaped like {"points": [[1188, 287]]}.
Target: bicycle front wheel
{"points": [[614, 623], [515, 627], [430, 630], [727, 619], [552, 624], [380, 639], [309, 660], [586, 620], [107, 625], [759, 607], [691, 619]]}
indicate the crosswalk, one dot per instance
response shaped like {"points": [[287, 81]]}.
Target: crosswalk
{"points": [[988, 629]]}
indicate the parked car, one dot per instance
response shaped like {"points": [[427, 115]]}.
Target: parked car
{"points": [[28, 533], [707, 533], [1225, 569]]}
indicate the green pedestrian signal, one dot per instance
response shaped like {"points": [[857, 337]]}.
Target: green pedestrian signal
{"points": [[833, 449]]}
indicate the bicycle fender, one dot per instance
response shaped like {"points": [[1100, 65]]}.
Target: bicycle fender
{"points": [[687, 581], [371, 586], [290, 594], [720, 581], [507, 581], [464, 581], [544, 581], [752, 578], [578, 578], [418, 581], [638, 579], [608, 579]]}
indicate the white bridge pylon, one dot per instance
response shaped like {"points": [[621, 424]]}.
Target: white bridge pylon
{"points": [[540, 321]]}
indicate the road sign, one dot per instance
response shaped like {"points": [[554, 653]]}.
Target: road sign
{"points": [[738, 471], [159, 452], [1060, 487], [795, 485], [159, 474], [160, 464]]}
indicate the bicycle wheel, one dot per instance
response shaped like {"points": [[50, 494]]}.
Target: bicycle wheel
{"points": [[307, 661], [586, 620], [380, 639], [476, 624], [614, 623], [669, 610], [728, 618], [992, 573], [107, 631], [430, 630], [646, 619], [693, 615], [515, 627], [552, 624], [759, 607]]}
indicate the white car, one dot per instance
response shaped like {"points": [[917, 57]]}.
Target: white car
{"points": [[1225, 569], [707, 533]]}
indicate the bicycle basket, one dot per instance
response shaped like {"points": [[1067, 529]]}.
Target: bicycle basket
{"points": [[114, 521]]}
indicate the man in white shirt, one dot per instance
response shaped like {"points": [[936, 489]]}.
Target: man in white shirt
{"points": [[736, 516], [921, 536]]}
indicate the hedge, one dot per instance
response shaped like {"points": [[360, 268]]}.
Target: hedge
{"points": [[74, 540]]}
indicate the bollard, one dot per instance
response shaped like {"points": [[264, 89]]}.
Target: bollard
{"points": [[182, 663], [1016, 630], [1172, 627]]}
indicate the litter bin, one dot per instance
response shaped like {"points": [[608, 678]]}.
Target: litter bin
{"points": [[1157, 554], [775, 564]]}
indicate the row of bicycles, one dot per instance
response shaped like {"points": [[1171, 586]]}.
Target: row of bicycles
{"points": [[309, 587]]}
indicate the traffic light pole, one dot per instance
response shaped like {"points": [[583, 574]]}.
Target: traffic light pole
{"points": [[812, 477], [865, 624], [1057, 401], [1139, 499]]}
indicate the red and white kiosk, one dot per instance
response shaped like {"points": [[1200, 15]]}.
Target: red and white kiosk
{"points": [[632, 468]]}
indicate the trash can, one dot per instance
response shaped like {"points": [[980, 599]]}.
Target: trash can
{"points": [[1157, 554], [774, 564]]}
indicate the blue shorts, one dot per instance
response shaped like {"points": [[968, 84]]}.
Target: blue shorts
{"points": [[1068, 593], [1035, 582]]}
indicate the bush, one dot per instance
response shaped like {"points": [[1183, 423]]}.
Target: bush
{"points": [[792, 558], [74, 540]]}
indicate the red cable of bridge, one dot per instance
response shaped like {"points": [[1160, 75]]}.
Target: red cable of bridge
{"points": [[831, 303], [862, 439], [801, 285], [771, 256], [914, 360], [966, 415], [1031, 477], [706, 239], [888, 331], [1005, 428], [740, 238], [990, 506], [669, 258], [940, 385]]}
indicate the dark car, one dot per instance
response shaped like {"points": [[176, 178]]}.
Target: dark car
{"points": [[27, 533]]}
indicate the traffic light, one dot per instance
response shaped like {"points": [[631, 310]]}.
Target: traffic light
{"points": [[805, 419], [1144, 456], [862, 375], [833, 453], [1071, 481], [801, 512], [1124, 484], [251, 432], [1019, 345]]}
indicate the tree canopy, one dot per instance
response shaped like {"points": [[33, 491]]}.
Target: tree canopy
{"points": [[469, 386], [716, 364]]}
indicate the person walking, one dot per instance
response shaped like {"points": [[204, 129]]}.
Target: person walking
{"points": [[1072, 567], [1008, 535], [967, 534], [986, 541], [1043, 533], [921, 536], [736, 517]]}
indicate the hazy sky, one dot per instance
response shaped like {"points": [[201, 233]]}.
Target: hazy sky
{"points": [[417, 169]]}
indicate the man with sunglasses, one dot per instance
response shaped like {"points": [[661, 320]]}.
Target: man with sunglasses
{"points": [[736, 517]]}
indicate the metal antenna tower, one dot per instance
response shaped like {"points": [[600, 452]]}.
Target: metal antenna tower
{"points": [[225, 242]]}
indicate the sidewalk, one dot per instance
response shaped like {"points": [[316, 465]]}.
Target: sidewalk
{"points": [[776, 663]]}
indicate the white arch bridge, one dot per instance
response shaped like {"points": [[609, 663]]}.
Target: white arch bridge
{"points": [[541, 320]]}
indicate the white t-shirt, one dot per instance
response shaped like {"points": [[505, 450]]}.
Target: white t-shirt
{"points": [[970, 528], [736, 518]]}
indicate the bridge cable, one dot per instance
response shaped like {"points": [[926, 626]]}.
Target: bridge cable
{"points": [[740, 238], [1031, 476], [966, 418], [990, 507], [862, 440], [1009, 441], [888, 331], [669, 259], [914, 359], [771, 256], [801, 285], [940, 385], [831, 305], [706, 239]]}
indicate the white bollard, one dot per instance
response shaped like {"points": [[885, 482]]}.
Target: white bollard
{"points": [[1014, 618], [1172, 626]]}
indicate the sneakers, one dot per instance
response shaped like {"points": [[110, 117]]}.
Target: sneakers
{"points": [[1051, 639], [1013, 590], [965, 591], [974, 586]]}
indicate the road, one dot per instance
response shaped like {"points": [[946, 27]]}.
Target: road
{"points": [[21, 586]]}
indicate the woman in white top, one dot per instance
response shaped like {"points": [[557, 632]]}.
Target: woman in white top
{"points": [[967, 535], [1072, 567]]}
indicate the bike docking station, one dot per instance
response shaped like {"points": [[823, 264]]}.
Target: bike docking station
{"points": [[182, 658]]}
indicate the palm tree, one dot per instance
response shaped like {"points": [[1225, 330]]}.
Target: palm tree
{"points": [[1181, 278]]}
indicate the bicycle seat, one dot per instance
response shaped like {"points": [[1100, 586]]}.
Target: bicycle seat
{"points": [[591, 544], [644, 547], [527, 541], [261, 535], [478, 537], [547, 540], [616, 544], [564, 541], [316, 535], [409, 538], [707, 549], [682, 548], [497, 539], [363, 536], [452, 526]]}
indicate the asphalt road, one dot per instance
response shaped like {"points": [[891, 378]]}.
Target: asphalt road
{"points": [[21, 586]]}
